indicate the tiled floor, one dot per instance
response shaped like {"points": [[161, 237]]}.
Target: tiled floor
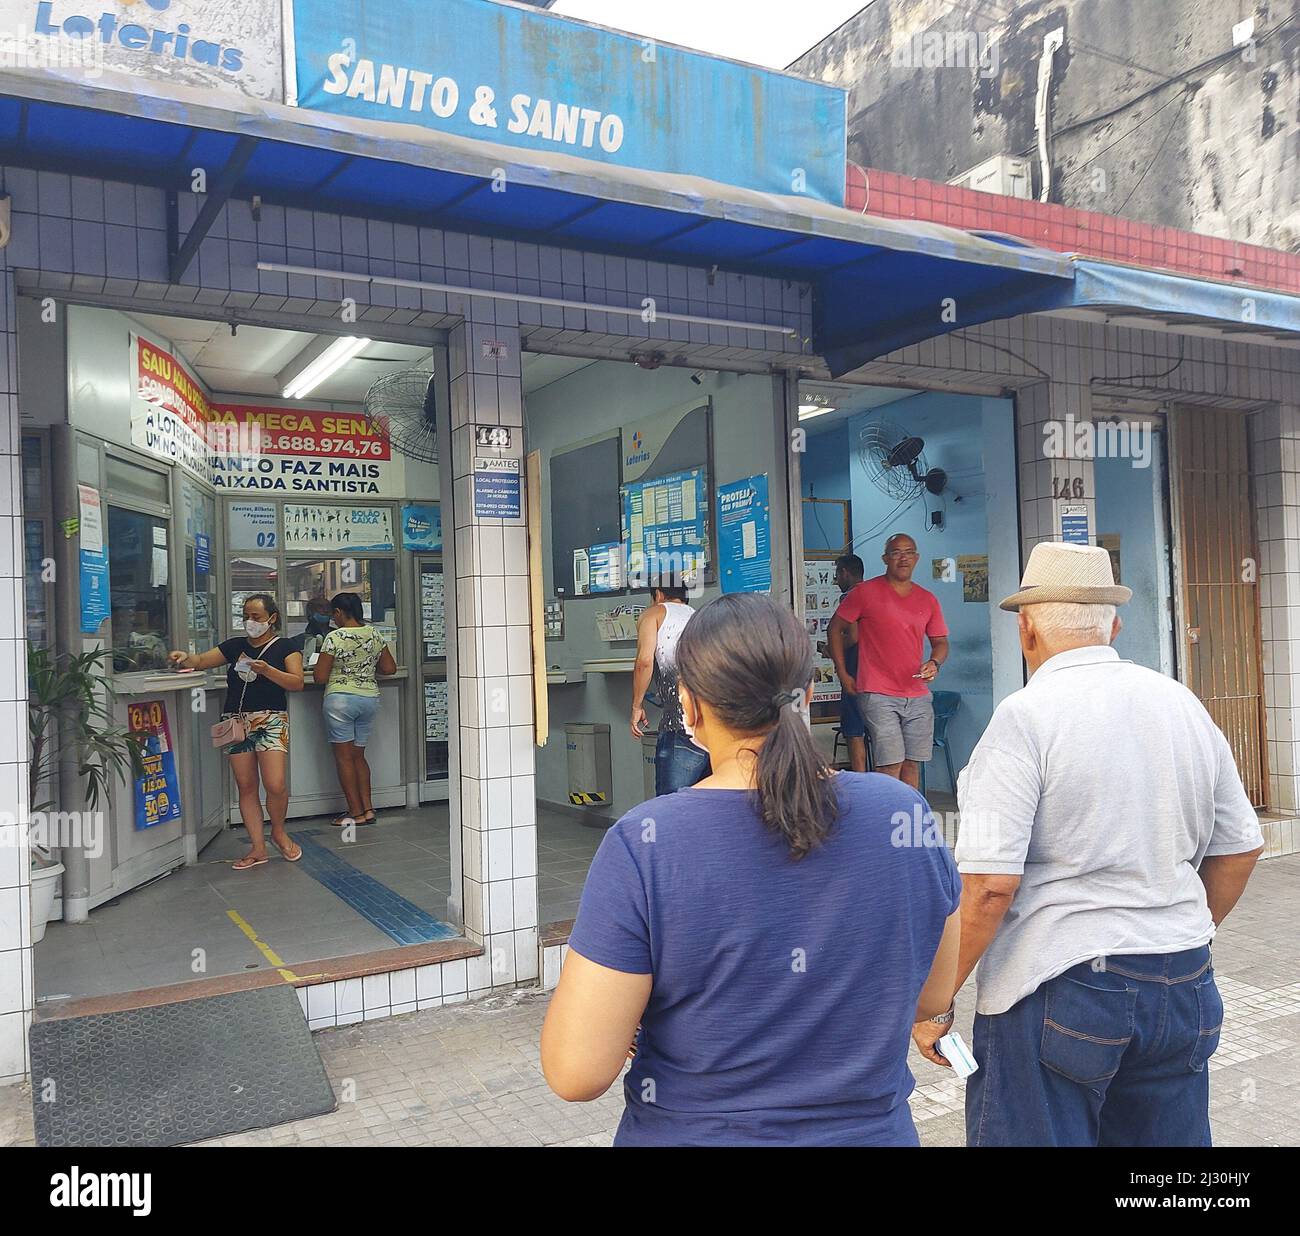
{"points": [[196, 922], [468, 1074]]}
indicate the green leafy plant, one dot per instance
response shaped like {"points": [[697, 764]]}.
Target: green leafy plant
{"points": [[70, 710]]}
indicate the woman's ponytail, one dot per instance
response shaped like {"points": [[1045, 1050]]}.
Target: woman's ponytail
{"points": [[751, 661]]}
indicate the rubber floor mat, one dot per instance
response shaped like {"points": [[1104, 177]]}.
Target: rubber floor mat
{"points": [[177, 1073]]}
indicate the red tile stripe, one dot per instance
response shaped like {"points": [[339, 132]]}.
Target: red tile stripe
{"points": [[1070, 230]]}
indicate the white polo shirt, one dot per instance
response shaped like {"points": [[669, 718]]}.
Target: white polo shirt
{"points": [[1103, 785]]}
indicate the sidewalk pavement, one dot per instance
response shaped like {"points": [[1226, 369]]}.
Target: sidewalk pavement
{"points": [[468, 1074]]}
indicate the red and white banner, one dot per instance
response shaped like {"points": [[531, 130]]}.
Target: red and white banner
{"points": [[299, 451], [172, 416], [249, 447]]}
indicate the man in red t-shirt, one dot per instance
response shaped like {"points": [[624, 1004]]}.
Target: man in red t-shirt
{"points": [[894, 616]]}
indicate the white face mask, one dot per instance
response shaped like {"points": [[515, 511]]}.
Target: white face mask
{"points": [[688, 727], [254, 629]]}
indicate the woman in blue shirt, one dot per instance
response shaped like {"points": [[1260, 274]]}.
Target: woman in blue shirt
{"points": [[774, 931]]}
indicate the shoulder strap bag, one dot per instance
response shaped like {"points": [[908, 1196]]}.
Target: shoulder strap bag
{"points": [[234, 729]]}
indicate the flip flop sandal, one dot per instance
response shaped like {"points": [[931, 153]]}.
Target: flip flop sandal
{"points": [[285, 856], [247, 864], [344, 820]]}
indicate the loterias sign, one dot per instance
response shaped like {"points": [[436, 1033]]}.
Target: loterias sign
{"points": [[220, 43], [501, 72]]}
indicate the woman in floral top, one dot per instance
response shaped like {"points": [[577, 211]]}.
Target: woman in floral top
{"points": [[349, 660]]}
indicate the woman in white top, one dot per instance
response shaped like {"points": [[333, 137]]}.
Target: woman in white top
{"points": [[678, 761]]}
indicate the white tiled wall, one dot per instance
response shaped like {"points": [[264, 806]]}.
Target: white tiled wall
{"points": [[1275, 464], [16, 998]]}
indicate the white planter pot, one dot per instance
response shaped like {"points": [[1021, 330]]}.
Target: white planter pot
{"points": [[44, 880]]}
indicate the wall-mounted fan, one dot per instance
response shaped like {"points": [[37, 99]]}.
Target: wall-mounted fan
{"points": [[400, 409], [895, 462]]}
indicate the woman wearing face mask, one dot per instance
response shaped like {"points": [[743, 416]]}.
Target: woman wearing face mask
{"points": [[349, 659], [763, 928], [263, 666]]}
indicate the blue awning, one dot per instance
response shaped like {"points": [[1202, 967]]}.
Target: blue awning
{"points": [[879, 283], [1181, 300]]}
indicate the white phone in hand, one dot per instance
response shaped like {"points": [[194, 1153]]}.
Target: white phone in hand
{"points": [[952, 1047]]}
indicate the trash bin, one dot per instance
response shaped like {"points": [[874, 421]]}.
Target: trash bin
{"points": [[590, 781]]}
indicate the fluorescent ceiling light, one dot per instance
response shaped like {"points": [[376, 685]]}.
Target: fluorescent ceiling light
{"points": [[328, 363], [808, 410]]}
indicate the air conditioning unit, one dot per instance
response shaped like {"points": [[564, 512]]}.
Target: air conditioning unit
{"points": [[1011, 177]]}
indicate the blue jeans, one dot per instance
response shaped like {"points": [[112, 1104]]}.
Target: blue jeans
{"points": [[678, 762], [1104, 1057]]}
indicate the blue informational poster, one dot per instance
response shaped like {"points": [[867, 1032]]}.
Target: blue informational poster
{"points": [[666, 525], [422, 526], [202, 554], [745, 536], [605, 566], [546, 84], [95, 605]]}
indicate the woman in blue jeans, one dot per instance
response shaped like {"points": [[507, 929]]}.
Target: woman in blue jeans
{"points": [[765, 939], [679, 761], [351, 656]]}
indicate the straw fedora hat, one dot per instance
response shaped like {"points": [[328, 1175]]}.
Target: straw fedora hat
{"points": [[1057, 571]]}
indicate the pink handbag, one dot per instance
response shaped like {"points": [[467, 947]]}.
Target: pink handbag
{"points": [[230, 730]]}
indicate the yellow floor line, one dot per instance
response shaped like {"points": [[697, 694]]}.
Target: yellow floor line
{"points": [[266, 950]]}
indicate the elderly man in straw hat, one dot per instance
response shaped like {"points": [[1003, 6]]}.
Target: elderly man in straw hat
{"points": [[1104, 835]]}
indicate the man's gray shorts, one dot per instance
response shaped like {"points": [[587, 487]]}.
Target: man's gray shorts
{"points": [[899, 728]]}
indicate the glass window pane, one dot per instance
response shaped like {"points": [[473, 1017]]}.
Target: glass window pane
{"points": [[247, 576], [36, 495], [133, 481], [140, 590], [36, 591], [310, 584]]}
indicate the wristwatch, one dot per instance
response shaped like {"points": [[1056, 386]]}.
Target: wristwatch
{"points": [[945, 1018]]}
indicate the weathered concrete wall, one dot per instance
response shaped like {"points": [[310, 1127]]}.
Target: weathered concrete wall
{"points": [[1154, 115]]}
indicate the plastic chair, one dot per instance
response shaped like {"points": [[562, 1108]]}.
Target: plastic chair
{"points": [[946, 704]]}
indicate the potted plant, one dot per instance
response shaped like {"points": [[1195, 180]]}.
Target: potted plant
{"points": [[70, 714]]}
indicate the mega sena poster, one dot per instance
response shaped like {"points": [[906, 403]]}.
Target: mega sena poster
{"points": [[244, 448], [298, 451]]}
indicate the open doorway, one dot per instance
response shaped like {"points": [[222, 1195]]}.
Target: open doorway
{"points": [[939, 468], [213, 462], [633, 461]]}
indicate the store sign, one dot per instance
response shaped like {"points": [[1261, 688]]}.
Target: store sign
{"points": [[224, 43], [299, 451], [157, 792], [171, 418], [362, 529], [515, 76]]}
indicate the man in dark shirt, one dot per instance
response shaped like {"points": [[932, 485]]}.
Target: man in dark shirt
{"points": [[849, 571]]}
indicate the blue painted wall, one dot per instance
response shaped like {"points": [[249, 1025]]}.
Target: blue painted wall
{"points": [[1130, 503], [825, 474]]}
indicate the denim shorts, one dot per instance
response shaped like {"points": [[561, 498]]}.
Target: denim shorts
{"points": [[349, 717]]}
